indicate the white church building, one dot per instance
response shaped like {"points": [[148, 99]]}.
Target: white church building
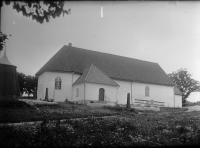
{"points": [[87, 76]]}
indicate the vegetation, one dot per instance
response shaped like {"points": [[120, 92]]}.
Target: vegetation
{"points": [[39, 11], [27, 83], [12, 111], [130, 128], [3, 38], [147, 129], [185, 83]]}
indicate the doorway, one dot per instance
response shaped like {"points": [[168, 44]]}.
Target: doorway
{"points": [[101, 94]]}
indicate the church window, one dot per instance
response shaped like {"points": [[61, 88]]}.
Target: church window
{"points": [[77, 92], [58, 83], [147, 91]]}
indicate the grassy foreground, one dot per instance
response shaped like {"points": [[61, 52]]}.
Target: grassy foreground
{"points": [[153, 129], [18, 111]]}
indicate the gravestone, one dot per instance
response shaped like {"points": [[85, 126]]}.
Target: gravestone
{"points": [[46, 95], [128, 105]]}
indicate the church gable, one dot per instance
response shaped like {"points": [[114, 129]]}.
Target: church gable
{"points": [[177, 91], [93, 74]]}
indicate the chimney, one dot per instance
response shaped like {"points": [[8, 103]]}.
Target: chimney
{"points": [[70, 44]]}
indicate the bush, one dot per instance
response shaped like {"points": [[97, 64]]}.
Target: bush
{"points": [[120, 109], [52, 106], [12, 103], [143, 130]]}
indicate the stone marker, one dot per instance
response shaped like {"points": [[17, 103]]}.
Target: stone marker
{"points": [[128, 101], [46, 95]]}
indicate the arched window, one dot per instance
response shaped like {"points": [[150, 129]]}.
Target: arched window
{"points": [[77, 92], [147, 91], [58, 83]]}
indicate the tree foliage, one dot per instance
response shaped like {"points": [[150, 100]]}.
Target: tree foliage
{"points": [[27, 83], [38, 10], [22, 82], [184, 82], [3, 38]]}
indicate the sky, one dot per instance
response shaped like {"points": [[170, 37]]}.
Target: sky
{"points": [[167, 33]]}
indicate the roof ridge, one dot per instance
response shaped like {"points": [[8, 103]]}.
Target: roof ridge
{"points": [[111, 54]]}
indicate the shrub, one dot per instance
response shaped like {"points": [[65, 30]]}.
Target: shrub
{"points": [[13, 103], [120, 109], [142, 130]]}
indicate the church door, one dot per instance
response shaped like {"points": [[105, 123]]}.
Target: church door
{"points": [[101, 94]]}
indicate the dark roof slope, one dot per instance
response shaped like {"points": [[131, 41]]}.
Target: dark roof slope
{"points": [[93, 74], [177, 91], [4, 59], [118, 67]]}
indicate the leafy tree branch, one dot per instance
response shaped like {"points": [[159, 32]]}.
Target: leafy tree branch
{"points": [[3, 38], [38, 10], [27, 83]]}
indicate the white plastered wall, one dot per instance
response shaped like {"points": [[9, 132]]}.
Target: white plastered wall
{"points": [[92, 91], [156, 92], [40, 87], [123, 90], [178, 101], [47, 80], [81, 92]]}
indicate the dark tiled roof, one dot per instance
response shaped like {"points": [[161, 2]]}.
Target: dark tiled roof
{"points": [[118, 67], [177, 91], [93, 74]]}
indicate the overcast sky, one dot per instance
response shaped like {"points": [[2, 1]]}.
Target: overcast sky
{"points": [[167, 33]]}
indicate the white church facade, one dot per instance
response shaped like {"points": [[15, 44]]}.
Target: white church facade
{"points": [[86, 76]]}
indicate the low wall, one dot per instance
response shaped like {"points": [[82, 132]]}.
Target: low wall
{"points": [[172, 109]]}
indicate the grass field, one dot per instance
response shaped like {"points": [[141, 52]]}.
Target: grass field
{"points": [[130, 128], [21, 112]]}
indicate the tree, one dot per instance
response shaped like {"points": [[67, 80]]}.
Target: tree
{"points": [[184, 82], [3, 38], [30, 85], [38, 10], [27, 84], [22, 82]]}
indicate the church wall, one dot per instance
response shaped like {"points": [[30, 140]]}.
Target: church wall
{"points": [[40, 87], [123, 90], [47, 80], [92, 91], [178, 101], [156, 92], [80, 96]]}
